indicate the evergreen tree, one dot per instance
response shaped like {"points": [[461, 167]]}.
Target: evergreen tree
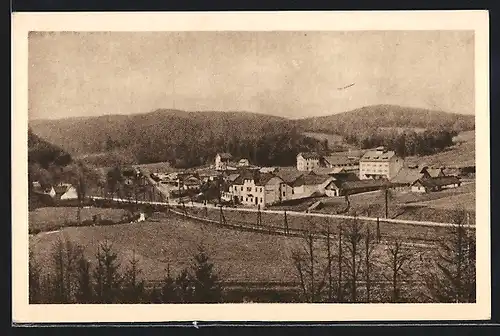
{"points": [[107, 279], [133, 284], [84, 292], [205, 282]]}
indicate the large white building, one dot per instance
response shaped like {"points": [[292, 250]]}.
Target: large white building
{"points": [[308, 161], [255, 188], [379, 163]]}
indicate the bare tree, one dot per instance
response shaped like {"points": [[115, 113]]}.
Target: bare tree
{"points": [[311, 271], [369, 262], [453, 278], [398, 261], [353, 256]]}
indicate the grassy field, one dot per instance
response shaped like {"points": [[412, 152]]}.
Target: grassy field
{"points": [[389, 231], [50, 218], [402, 204], [170, 242]]}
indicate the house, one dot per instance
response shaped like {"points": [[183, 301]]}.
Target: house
{"points": [[342, 188], [308, 161], [243, 163], [257, 189], [207, 175], [435, 184], [379, 163], [348, 163], [222, 160], [65, 191], [309, 185]]}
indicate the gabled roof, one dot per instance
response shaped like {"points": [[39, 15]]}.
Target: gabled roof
{"points": [[378, 155], [435, 172], [437, 181], [289, 175], [226, 156], [349, 185], [310, 155], [407, 175], [310, 179], [232, 177], [259, 178], [336, 160]]}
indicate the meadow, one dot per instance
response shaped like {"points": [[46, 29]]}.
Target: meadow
{"points": [[53, 218]]}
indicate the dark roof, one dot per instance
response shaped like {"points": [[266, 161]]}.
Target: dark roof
{"points": [[259, 178], [437, 181], [289, 175], [435, 172], [336, 160], [407, 175], [345, 177], [378, 155], [226, 156], [310, 179], [349, 185], [310, 155]]}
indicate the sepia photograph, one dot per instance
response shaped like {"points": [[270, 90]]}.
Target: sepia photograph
{"points": [[220, 166]]}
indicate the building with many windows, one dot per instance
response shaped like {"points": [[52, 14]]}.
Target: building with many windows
{"points": [[379, 163]]}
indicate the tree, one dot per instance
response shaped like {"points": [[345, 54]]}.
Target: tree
{"points": [[453, 278], [184, 287], [311, 271], [369, 262], [169, 289], [84, 292], [398, 261], [65, 256], [35, 288], [205, 282], [107, 277], [133, 285], [353, 255]]}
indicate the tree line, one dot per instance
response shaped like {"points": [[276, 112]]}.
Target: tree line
{"points": [[352, 266], [107, 279], [406, 143], [347, 266]]}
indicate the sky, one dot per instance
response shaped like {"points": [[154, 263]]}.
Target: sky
{"points": [[289, 74]]}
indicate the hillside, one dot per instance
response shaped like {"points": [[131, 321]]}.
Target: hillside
{"points": [[183, 138], [44, 153], [386, 116]]}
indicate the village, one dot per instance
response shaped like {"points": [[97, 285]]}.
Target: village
{"points": [[237, 182], [339, 174]]}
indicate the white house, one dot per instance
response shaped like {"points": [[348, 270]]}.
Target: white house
{"points": [[258, 189], [435, 184], [67, 191], [243, 163], [379, 163], [308, 161], [222, 160]]}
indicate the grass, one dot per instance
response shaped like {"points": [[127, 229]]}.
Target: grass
{"points": [[389, 231], [52, 218], [424, 206], [170, 242]]}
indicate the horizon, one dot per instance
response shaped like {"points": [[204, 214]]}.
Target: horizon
{"points": [[286, 74], [251, 112]]}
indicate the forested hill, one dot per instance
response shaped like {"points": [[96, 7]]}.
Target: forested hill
{"points": [[385, 116], [183, 138], [45, 154]]}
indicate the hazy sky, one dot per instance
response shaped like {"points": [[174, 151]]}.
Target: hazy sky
{"points": [[291, 74]]}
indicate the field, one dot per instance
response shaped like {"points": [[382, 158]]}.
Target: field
{"points": [[51, 218], [402, 204], [240, 256], [169, 242], [462, 153]]}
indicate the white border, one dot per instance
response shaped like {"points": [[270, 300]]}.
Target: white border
{"points": [[22, 23]]}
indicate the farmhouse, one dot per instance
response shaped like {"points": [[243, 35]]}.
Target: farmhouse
{"points": [[243, 163], [379, 163], [255, 188], [309, 185], [342, 188], [65, 191], [222, 160], [348, 163], [435, 184]]}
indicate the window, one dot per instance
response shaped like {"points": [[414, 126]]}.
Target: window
{"points": [[246, 199], [261, 200], [241, 188], [283, 193], [249, 189], [260, 189], [293, 191], [241, 198]]}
